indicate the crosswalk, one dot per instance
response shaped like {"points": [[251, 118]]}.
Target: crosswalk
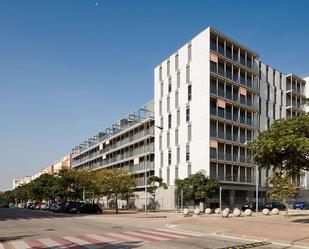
{"points": [[101, 240]]}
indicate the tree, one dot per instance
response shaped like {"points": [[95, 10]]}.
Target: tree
{"points": [[154, 183], [284, 146], [116, 182], [282, 188], [197, 187]]}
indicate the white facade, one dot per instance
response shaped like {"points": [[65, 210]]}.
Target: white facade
{"points": [[212, 87], [179, 71]]}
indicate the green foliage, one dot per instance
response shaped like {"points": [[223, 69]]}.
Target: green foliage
{"points": [[115, 182], [285, 145], [282, 188], [155, 182], [197, 187]]}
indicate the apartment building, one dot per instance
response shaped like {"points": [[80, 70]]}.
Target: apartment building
{"points": [[213, 96], [128, 144], [63, 163]]}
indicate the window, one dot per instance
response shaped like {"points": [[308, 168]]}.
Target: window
{"points": [[187, 114], [168, 68], [228, 112], [160, 73], [268, 91], [242, 116], [160, 107], [189, 92], [178, 154], [160, 142], [189, 52], [228, 172], [228, 71], [169, 84], [235, 134], [189, 169], [213, 67], [228, 51], [235, 173], [242, 58], [213, 128], [221, 91], [168, 176], [213, 85], [176, 62], [176, 99], [161, 122], [220, 151], [235, 54], [228, 152], [235, 93], [242, 155], [176, 137], [235, 153], [178, 117], [249, 118], [235, 74], [187, 153], [213, 44], [176, 172], [187, 73], [242, 77], [235, 114], [228, 91], [228, 132], [169, 121], [178, 79], [213, 107], [221, 47], [162, 90], [221, 130], [189, 132], [213, 170], [242, 135], [169, 157], [168, 106], [168, 139], [249, 135], [221, 68]]}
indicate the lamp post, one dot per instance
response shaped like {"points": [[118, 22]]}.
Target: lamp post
{"points": [[256, 185]]}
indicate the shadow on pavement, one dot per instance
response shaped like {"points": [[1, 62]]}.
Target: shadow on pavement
{"points": [[29, 214], [7, 239]]}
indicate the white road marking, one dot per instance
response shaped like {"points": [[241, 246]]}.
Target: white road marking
{"points": [[20, 244], [145, 235], [51, 243], [81, 242]]}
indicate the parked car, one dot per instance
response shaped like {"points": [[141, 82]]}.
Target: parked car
{"points": [[252, 206], [57, 207], [38, 206], [30, 205], [69, 205], [299, 205], [4, 205], [275, 204], [44, 206], [306, 206], [87, 208]]}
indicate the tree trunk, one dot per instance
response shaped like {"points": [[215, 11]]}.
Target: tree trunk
{"points": [[116, 204], [286, 208], [154, 202]]}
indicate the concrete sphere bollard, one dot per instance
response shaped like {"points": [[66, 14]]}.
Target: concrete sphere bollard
{"points": [[248, 212], [225, 213], [236, 212], [197, 211], [227, 210], [186, 212], [217, 211], [208, 211], [265, 211], [275, 211]]}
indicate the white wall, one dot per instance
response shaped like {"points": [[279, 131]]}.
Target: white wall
{"points": [[199, 109]]}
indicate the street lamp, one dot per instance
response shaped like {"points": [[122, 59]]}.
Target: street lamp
{"points": [[256, 186], [145, 173]]}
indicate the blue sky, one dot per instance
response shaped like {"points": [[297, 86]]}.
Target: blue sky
{"points": [[69, 68]]}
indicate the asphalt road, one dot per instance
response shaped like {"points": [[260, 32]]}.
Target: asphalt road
{"points": [[23, 229]]}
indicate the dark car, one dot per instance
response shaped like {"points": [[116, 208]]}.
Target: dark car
{"points": [[299, 205], [275, 204], [4, 206], [87, 208], [252, 206], [57, 207], [306, 206], [70, 205]]}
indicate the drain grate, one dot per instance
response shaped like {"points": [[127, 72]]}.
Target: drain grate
{"points": [[251, 245]]}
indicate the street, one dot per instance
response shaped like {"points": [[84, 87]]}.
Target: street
{"points": [[23, 228]]}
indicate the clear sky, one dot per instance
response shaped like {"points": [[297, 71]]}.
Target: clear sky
{"points": [[69, 68]]}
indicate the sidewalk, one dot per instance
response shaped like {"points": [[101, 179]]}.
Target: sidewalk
{"points": [[278, 229]]}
